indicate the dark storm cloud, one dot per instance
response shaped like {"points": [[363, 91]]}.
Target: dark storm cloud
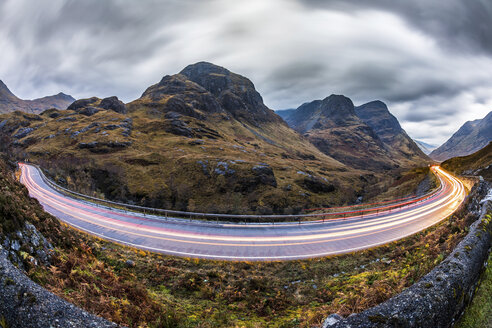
{"points": [[457, 24], [429, 60]]}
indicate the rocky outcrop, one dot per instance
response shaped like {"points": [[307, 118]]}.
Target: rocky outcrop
{"points": [[91, 106], [9, 102], [439, 298], [202, 89], [471, 137], [104, 147], [114, 104]]}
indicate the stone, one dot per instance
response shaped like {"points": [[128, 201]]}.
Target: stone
{"points": [[114, 104], [265, 175], [23, 132], [331, 320]]}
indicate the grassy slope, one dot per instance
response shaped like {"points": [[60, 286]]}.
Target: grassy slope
{"points": [[161, 169], [480, 160], [138, 288], [479, 313]]}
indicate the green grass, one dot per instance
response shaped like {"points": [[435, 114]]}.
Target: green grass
{"points": [[479, 312]]}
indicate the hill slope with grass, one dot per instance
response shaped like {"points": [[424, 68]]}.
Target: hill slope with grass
{"points": [[478, 163], [200, 140]]}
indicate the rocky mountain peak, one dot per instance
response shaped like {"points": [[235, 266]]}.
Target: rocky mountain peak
{"points": [[203, 88], [338, 108], [200, 69], [377, 116]]}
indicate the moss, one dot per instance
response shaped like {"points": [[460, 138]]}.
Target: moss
{"points": [[377, 318], [429, 285], [8, 282], [479, 312], [3, 322]]}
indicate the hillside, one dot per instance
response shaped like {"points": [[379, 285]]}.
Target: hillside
{"points": [[9, 102], [478, 163], [367, 136], [200, 140], [471, 137]]}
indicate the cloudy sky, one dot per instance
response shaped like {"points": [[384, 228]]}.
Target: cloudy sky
{"points": [[429, 60]]}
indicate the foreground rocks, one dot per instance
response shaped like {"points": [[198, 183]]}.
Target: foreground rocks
{"points": [[26, 304]]}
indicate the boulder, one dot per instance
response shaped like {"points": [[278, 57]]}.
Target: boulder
{"points": [[114, 104]]}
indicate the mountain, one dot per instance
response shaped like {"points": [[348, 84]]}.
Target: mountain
{"points": [[199, 140], [367, 136], [478, 163], [388, 129], [9, 102], [285, 113], [425, 147], [472, 136]]}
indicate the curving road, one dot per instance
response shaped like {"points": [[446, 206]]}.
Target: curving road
{"points": [[252, 242]]}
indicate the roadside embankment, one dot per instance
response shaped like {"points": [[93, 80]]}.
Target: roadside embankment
{"points": [[440, 297], [26, 304]]}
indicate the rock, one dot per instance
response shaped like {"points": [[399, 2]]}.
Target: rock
{"points": [[331, 320], [130, 263], [265, 175], [111, 127], [103, 147], [23, 132], [223, 169], [114, 104], [173, 115], [179, 128], [204, 165], [82, 103], [68, 119], [196, 142], [15, 245], [315, 184], [88, 111]]}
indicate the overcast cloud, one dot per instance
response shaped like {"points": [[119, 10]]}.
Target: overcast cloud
{"points": [[430, 61]]}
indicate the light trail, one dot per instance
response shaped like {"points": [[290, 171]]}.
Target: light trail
{"points": [[249, 242]]}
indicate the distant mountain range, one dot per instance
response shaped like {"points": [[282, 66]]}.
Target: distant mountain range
{"points": [[367, 136], [9, 102], [425, 147], [471, 137]]}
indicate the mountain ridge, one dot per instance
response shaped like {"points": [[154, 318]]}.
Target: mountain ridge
{"points": [[470, 137], [9, 102], [368, 135]]}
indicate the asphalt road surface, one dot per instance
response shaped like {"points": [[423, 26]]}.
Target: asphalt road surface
{"points": [[252, 242]]}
